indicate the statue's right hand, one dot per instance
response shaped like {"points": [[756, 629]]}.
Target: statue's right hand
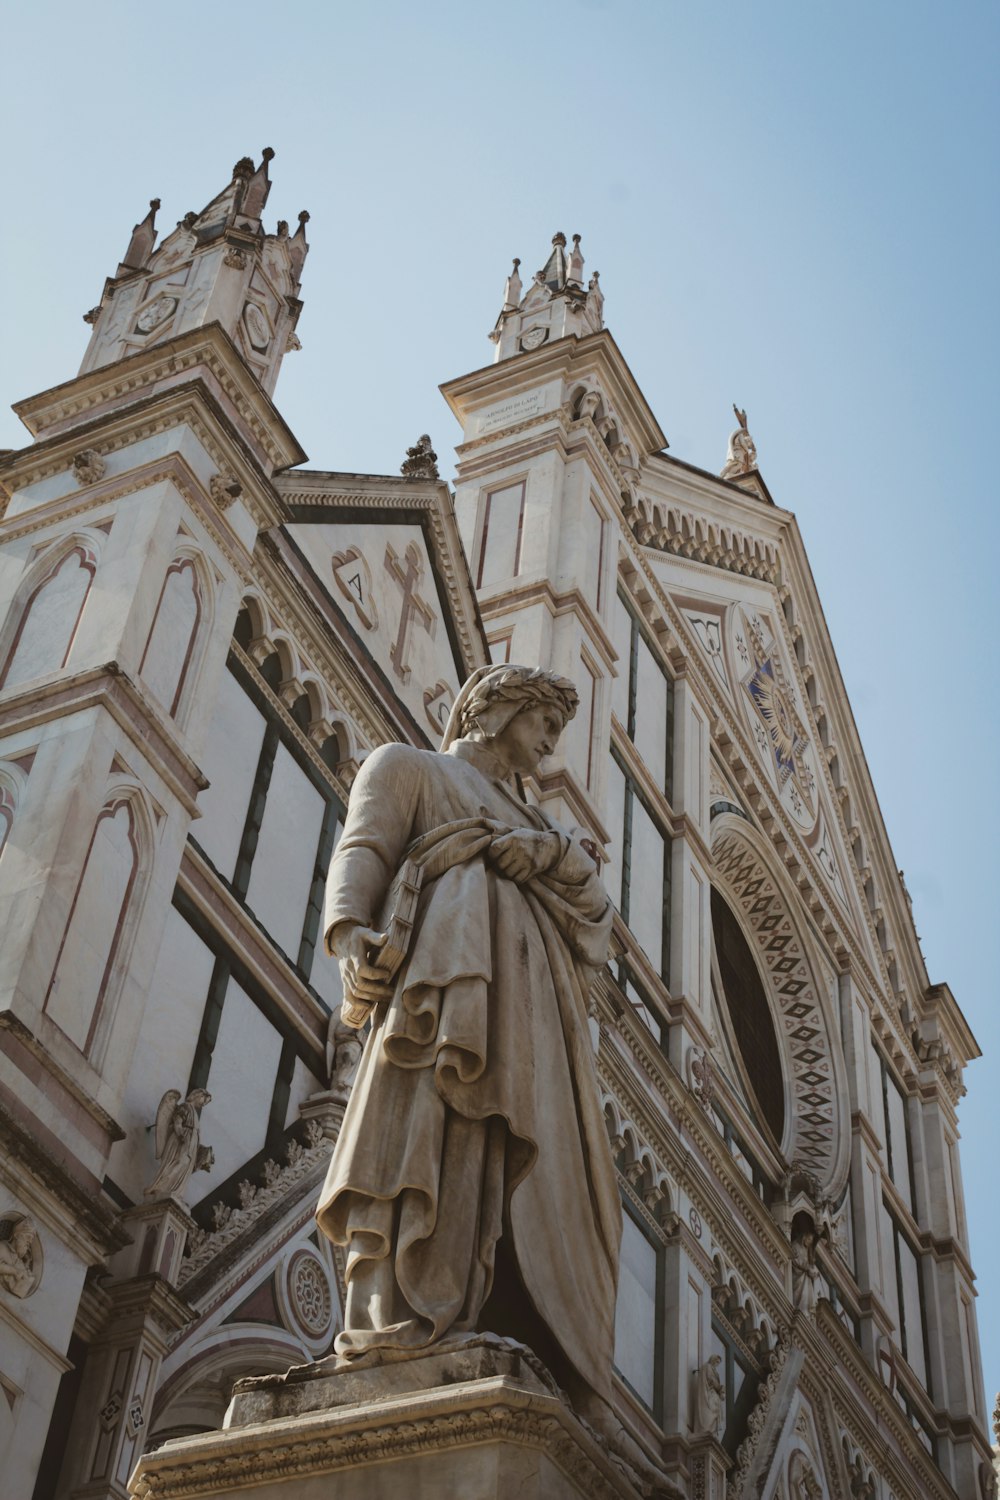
{"points": [[354, 947]]}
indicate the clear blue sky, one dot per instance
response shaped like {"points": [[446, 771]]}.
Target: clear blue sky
{"points": [[791, 206]]}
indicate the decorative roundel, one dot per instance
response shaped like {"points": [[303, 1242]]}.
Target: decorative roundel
{"points": [[306, 1298], [257, 326], [155, 313], [534, 337]]}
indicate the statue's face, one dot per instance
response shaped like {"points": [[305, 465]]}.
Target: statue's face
{"points": [[529, 737]]}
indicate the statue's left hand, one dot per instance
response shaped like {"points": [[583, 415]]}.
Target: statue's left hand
{"points": [[522, 854]]}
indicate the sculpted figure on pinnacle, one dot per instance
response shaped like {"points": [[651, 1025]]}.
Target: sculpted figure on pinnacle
{"points": [[472, 1182], [742, 455]]}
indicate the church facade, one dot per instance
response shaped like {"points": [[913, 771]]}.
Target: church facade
{"points": [[201, 638]]}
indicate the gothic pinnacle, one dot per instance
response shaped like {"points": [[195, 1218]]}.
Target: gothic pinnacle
{"points": [[142, 241]]}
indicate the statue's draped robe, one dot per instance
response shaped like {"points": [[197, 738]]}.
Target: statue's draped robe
{"points": [[475, 1111]]}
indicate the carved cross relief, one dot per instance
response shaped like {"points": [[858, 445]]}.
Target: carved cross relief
{"points": [[414, 607]]}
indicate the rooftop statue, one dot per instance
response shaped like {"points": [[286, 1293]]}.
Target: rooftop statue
{"points": [[472, 1181], [742, 455]]}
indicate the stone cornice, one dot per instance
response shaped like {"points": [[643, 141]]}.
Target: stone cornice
{"points": [[188, 403], [573, 359], [109, 687], [86, 1219], [494, 1410], [207, 348]]}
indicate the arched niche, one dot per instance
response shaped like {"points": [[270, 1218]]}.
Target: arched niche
{"points": [[816, 1130]]}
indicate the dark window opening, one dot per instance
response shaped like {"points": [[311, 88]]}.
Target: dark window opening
{"points": [[750, 1015]]}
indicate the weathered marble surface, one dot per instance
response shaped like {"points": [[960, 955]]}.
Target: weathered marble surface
{"points": [[472, 1182], [481, 1420]]}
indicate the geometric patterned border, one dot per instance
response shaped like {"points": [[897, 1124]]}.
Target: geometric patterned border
{"points": [[803, 1032]]}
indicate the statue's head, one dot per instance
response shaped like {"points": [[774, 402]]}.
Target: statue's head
{"points": [[22, 1237], [519, 712]]}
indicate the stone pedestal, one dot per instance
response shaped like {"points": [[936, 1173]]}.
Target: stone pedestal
{"points": [[708, 1463], [480, 1421]]}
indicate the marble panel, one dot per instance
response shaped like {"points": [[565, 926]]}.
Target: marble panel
{"points": [[304, 1083], [241, 1082], [500, 546], [230, 763], [285, 860], [646, 890], [635, 1313], [651, 714]]}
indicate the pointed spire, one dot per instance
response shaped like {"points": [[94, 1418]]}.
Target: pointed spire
{"points": [[512, 288], [553, 273], [298, 247], [576, 263], [142, 241], [257, 188], [595, 300]]}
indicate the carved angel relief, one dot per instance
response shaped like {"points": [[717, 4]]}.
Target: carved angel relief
{"points": [[178, 1148]]}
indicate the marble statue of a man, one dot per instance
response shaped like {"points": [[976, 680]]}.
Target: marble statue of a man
{"points": [[472, 1182]]}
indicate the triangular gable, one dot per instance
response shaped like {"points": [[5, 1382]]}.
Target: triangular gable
{"points": [[387, 556]]}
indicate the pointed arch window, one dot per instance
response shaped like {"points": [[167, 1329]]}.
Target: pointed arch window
{"points": [[50, 618]]}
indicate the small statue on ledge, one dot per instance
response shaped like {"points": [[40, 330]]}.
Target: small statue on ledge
{"points": [[805, 1272], [742, 455], [709, 1397], [178, 1149]]}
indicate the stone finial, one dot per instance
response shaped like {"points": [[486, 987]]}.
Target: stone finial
{"points": [[512, 288], [742, 455], [553, 273], [141, 244], [89, 466], [298, 247], [576, 263], [178, 1149], [257, 187], [420, 461]]}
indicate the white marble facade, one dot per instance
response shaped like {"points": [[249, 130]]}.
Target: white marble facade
{"points": [[197, 651]]}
